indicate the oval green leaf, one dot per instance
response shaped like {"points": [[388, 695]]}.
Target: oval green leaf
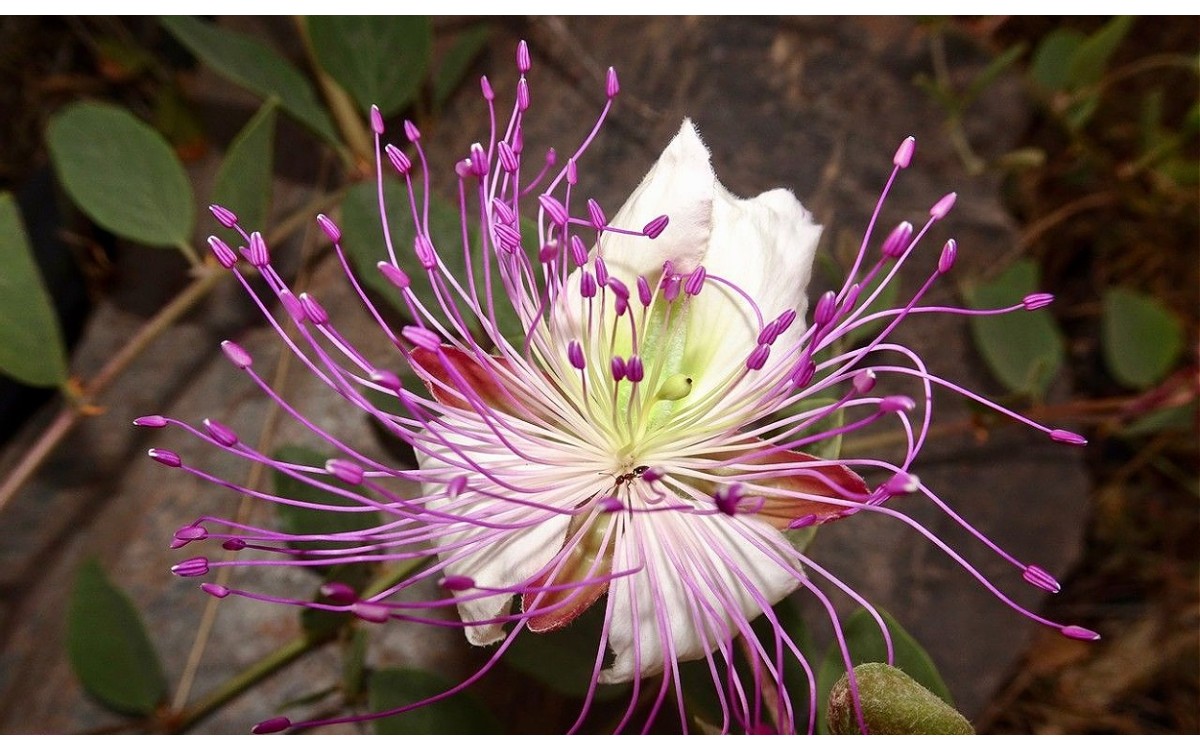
{"points": [[461, 713], [31, 345], [122, 174], [1142, 339], [108, 647], [892, 703], [1024, 349], [379, 60], [251, 64], [244, 180], [453, 66]]}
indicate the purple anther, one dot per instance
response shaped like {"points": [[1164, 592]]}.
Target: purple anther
{"points": [[620, 304], [904, 153], [485, 86], [653, 474], [596, 214], [313, 309], [508, 160], [400, 161], [395, 275], [1035, 576], [185, 535], [411, 132], [943, 206], [758, 357], [948, 256], [826, 308], [572, 171], [422, 337], [215, 590], [522, 95], [851, 297], [1037, 300], [424, 250], [191, 567], [220, 433], [233, 545], [656, 226], [387, 379], [549, 252], [271, 726], [643, 287], [165, 457], [587, 285], [601, 271], [222, 252], [518, 142], [257, 253], [575, 355], [695, 281], [617, 367], [802, 374], [769, 333], [671, 287], [634, 370], [502, 212], [892, 404], [612, 85], [785, 320], [293, 307], [1068, 437], [338, 592], [507, 237], [371, 612], [803, 522], [610, 504], [555, 209], [224, 216], [457, 583], [455, 486], [523, 61], [150, 420], [347, 471], [864, 381], [897, 240], [727, 499], [1079, 634], [463, 168], [618, 288], [331, 230], [579, 252], [376, 120], [901, 483], [479, 160]]}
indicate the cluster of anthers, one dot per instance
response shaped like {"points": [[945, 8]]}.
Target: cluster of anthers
{"points": [[638, 445]]}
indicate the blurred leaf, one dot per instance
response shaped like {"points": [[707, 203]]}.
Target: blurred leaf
{"points": [[119, 60], [866, 646], [892, 703], [988, 76], [1180, 418], [1141, 338], [1080, 112], [461, 713], [179, 124], [249, 63], [1092, 56], [563, 660], [1051, 64], [1022, 159], [243, 183], [306, 521], [109, 649], [379, 60], [454, 64], [122, 174], [354, 664], [1024, 349], [31, 345]]}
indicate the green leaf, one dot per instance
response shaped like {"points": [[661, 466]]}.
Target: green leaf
{"points": [[892, 703], [461, 713], [354, 664], [866, 646], [1024, 349], [988, 76], [1051, 64], [378, 60], [122, 174], [251, 64], [244, 180], [31, 345], [1141, 338], [1092, 56], [564, 660], [454, 64], [1180, 418], [306, 521], [109, 649]]}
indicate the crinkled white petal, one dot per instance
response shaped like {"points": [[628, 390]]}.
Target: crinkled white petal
{"points": [[701, 582]]}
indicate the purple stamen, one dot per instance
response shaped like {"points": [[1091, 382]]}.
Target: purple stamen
{"points": [[330, 229], [1037, 300], [897, 240], [215, 590], [224, 216], [904, 153], [394, 274], [313, 310], [643, 287], [485, 88], [943, 206], [411, 132], [399, 160], [376, 120], [1068, 437], [272, 725], [612, 86], [422, 337], [826, 308], [556, 210], [596, 214], [339, 593], [524, 63], [617, 367], [587, 285], [601, 271], [191, 567], [1079, 633], [634, 370], [695, 281], [575, 355], [893, 404], [758, 357], [257, 253], [579, 253], [948, 256], [165, 457], [457, 583], [347, 471], [151, 420], [220, 433], [222, 252], [656, 226], [370, 612], [1035, 576]]}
